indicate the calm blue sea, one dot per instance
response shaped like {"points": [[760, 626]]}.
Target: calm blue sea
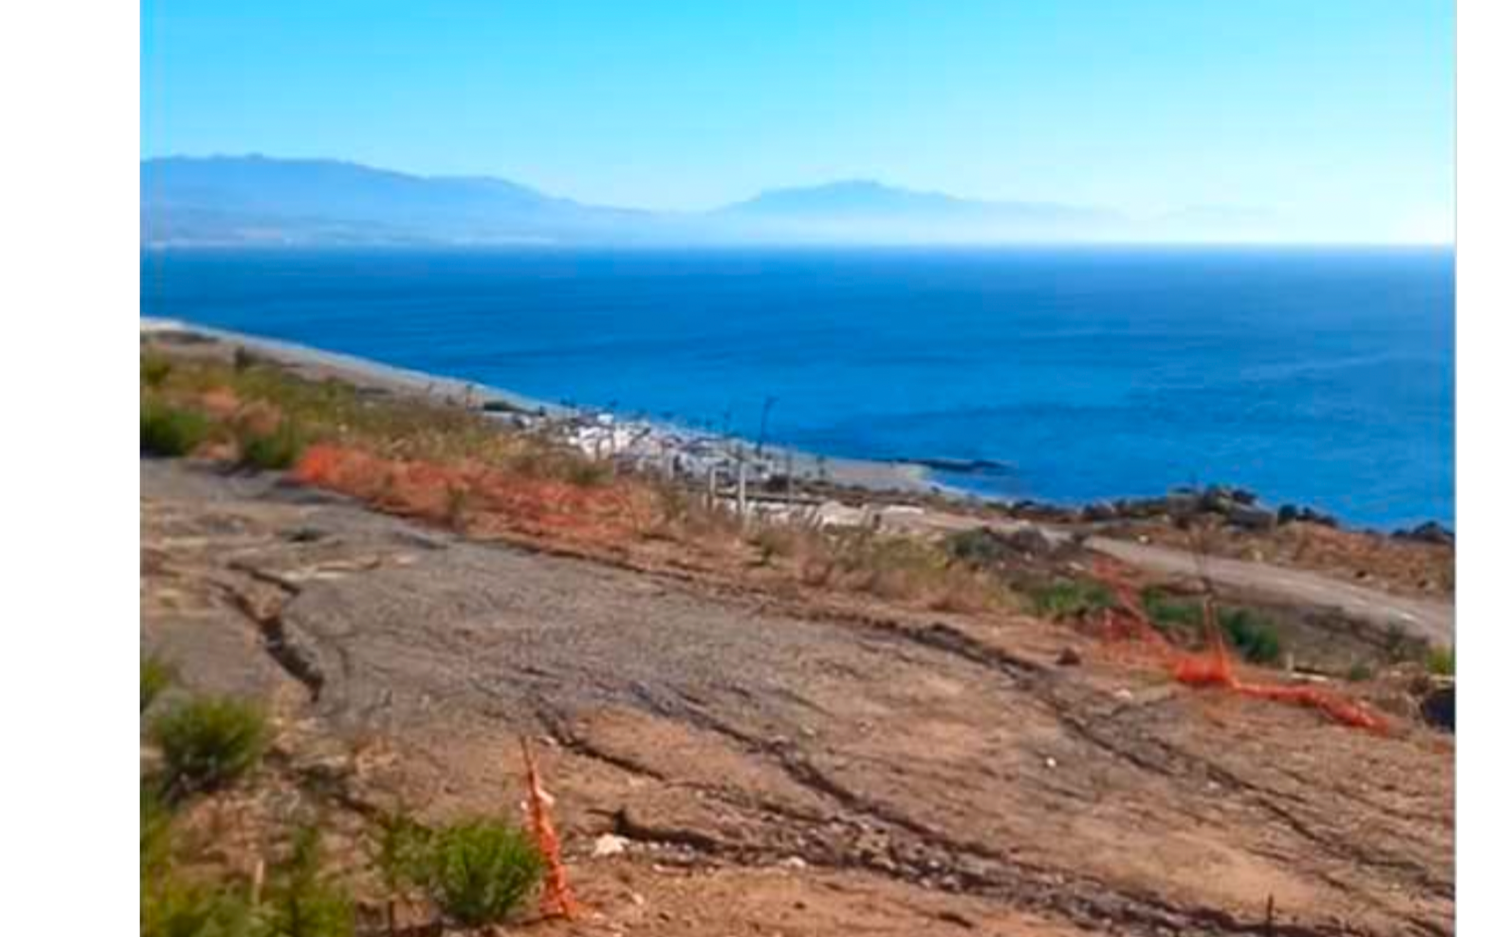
{"points": [[1323, 377]]}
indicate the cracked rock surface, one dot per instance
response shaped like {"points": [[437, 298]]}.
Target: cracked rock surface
{"points": [[779, 767]]}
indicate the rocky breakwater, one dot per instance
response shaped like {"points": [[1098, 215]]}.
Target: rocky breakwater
{"points": [[1237, 507]]}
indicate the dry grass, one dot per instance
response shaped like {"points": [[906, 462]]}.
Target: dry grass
{"points": [[456, 468], [904, 569]]}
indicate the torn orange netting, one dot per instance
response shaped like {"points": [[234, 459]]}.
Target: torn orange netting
{"points": [[557, 895], [1214, 666]]}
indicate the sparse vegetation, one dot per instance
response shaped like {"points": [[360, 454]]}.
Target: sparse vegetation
{"points": [[897, 568], [172, 907], [168, 430], [1180, 617], [775, 541], [977, 547], [156, 833], [301, 900], [314, 410], [1256, 639], [1068, 598], [276, 450], [156, 676], [478, 871], [400, 849], [154, 369], [588, 473], [1360, 672], [1441, 661], [209, 742], [1253, 636]]}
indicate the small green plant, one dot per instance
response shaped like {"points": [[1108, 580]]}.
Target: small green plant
{"points": [[1441, 662], [209, 742], [300, 899], [1180, 616], [1066, 598], [977, 547], [156, 834], [477, 872], [154, 370], [1253, 636], [276, 450], [1361, 672], [174, 908], [156, 676], [400, 853], [170, 431]]}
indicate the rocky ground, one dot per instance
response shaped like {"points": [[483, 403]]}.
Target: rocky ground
{"points": [[755, 763]]}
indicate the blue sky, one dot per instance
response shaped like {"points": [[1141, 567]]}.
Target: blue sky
{"points": [[1337, 116]]}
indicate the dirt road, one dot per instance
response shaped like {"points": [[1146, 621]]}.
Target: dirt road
{"points": [[1425, 618], [778, 766]]}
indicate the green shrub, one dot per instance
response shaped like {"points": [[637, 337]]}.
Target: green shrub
{"points": [[1441, 662], [154, 370], [1182, 616], [172, 908], [277, 450], [300, 900], [156, 833], [156, 676], [977, 547], [171, 431], [401, 851], [476, 872], [1360, 672], [1252, 635], [209, 742], [1066, 598]]}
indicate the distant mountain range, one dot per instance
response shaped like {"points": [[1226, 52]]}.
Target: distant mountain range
{"points": [[258, 200]]}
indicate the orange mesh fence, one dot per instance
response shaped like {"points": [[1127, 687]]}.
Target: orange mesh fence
{"points": [[557, 894], [483, 495], [1214, 666], [1128, 621]]}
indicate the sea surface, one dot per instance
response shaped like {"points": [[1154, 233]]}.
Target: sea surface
{"points": [[1317, 376]]}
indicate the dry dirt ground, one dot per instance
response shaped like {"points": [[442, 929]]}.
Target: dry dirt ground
{"points": [[778, 767]]}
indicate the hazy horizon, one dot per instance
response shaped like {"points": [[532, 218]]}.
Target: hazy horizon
{"points": [[1335, 121]]}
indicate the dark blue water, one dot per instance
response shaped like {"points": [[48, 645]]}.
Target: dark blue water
{"points": [[1323, 377]]}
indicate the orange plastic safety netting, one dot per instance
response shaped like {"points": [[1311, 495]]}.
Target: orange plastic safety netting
{"points": [[477, 495], [557, 894], [1214, 666]]}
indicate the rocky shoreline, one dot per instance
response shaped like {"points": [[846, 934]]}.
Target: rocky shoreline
{"points": [[1236, 507]]}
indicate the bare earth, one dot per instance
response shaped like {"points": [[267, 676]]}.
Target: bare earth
{"points": [[784, 768]]}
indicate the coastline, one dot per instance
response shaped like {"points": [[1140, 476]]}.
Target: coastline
{"points": [[698, 454], [695, 453]]}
